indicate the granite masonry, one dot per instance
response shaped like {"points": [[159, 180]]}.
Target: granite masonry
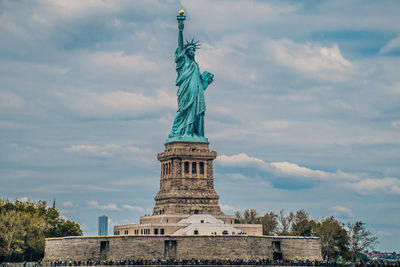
{"points": [[181, 247]]}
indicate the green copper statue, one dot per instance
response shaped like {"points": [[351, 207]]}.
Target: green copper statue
{"points": [[189, 120]]}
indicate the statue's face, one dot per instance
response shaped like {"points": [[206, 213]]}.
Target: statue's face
{"points": [[190, 52]]}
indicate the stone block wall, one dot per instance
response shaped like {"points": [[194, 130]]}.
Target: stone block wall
{"points": [[179, 247]]}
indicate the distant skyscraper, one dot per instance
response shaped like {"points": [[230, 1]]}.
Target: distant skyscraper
{"points": [[103, 225]]}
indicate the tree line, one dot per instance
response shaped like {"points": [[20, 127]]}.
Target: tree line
{"points": [[347, 240], [24, 225]]}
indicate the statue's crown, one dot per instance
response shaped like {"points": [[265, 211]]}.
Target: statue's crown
{"points": [[192, 43]]}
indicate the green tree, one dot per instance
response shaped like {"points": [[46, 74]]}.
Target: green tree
{"points": [[334, 238], [360, 239], [302, 225], [285, 222], [70, 228], [269, 223], [53, 220], [24, 225], [238, 216], [34, 240], [248, 216], [12, 233], [58, 226]]}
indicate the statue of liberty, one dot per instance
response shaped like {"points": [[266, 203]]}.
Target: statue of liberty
{"points": [[189, 119]]}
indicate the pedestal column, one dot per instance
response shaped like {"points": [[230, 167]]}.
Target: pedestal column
{"points": [[187, 180]]}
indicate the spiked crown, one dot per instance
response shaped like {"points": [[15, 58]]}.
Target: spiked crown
{"points": [[195, 44]]}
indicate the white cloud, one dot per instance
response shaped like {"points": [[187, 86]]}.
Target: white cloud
{"points": [[304, 133], [52, 70], [94, 204], [241, 160], [277, 124], [227, 207], [250, 13], [105, 150], [10, 125], [341, 210], [77, 9], [67, 204], [113, 207], [64, 211], [391, 46], [10, 100], [294, 170], [315, 60], [24, 199], [89, 148], [118, 103], [394, 89], [118, 62], [133, 208], [384, 233], [395, 124], [236, 176], [68, 188], [75, 6], [373, 185], [222, 114], [282, 168], [227, 61], [364, 186]]}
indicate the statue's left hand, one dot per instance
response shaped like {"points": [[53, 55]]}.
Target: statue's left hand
{"points": [[210, 77], [207, 78]]}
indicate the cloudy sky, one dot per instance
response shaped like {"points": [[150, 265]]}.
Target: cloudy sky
{"points": [[304, 111]]}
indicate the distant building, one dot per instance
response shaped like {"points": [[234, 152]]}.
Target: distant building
{"points": [[103, 225]]}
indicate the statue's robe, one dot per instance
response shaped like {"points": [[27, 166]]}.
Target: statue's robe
{"points": [[189, 119]]}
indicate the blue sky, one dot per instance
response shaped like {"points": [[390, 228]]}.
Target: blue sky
{"points": [[304, 111]]}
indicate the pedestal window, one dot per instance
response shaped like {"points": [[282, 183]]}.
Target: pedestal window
{"points": [[194, 167], [186, 167]]}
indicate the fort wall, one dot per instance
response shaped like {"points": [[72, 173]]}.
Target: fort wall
{"points": [[181, 247]]}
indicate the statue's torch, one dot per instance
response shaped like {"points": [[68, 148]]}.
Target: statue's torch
{"points": [[181, 17]]}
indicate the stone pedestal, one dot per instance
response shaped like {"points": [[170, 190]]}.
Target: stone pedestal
{"points": [[187, 180]]}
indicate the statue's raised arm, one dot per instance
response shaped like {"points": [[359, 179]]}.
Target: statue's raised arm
{"points": [[181, 18], [189, 119]]}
